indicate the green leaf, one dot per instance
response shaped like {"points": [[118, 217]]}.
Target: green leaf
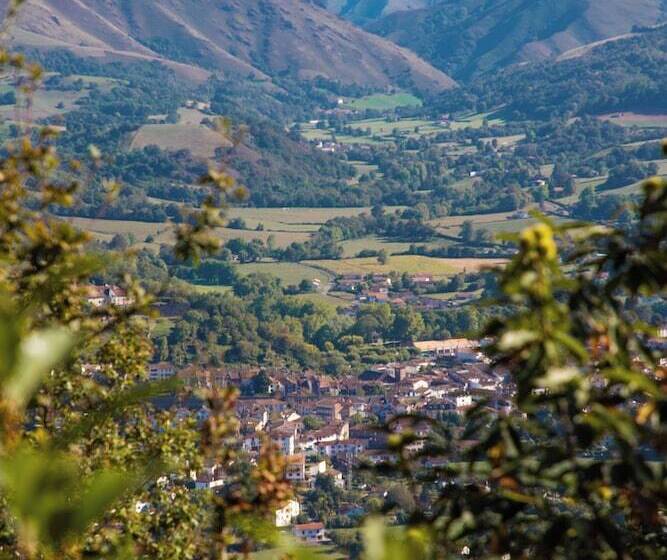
{"points": [[53, 503], [37, 355], [556, 378], [514, 340]]}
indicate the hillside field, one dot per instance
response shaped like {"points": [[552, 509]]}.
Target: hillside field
{"points": [[289, 273], [410, 264], [384, 102]]}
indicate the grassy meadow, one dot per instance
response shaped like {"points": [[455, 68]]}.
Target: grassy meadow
{"points": [[410, 264], [289, 273], [384, 102]]}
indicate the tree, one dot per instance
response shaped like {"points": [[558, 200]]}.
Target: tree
{"points": [[261, 383], [383, 257], [408, 324], [467, 231]]}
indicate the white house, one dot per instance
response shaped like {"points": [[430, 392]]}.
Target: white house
{"points": [[463, 401], [160, 371], [311, 532], [285, 442], [209, 477]]}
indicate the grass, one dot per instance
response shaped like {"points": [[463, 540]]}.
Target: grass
{"points": [[384, 102], [289, 273], [163, 233], [383, 128], [636, 119], [162, 327], [352, 247], [326, 299], [410, 264], [295, 219], [451, 225], [506, 141], [200, 289], [315, 552], [476, 120], [45, 104], [201, 141]]}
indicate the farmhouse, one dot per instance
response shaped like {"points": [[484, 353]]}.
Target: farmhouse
{"points": [[108, 295], [311, 532], [452, 348]]}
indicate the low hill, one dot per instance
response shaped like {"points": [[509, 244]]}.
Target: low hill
{"points": [[233, 37], [467, 37]]}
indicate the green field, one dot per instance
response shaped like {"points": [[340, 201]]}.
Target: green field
{"points": [[505, 141], [385, 128], [45, 104], [210, 289], [380, 130], [451, 225], [313, 552], [384, 102], [638, 120], [410, 264], [335, 300], [353, 247], [289, 273], [163, 233], [476, 120], [295, 219]]}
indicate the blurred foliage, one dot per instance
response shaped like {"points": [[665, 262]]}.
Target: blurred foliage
{"points": [[89, 467]]}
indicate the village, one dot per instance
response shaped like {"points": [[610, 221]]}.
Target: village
{"points": [[327, 427]]}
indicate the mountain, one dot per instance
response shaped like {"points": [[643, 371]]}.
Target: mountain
{"points": [[466, 37], [624, 74], [262, 38]]}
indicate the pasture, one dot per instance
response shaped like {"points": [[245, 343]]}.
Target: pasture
{"points": [[162, 233], [637, 119], [313, 552], [409, 264], [332, 299], [45, 103], [352, 247], [200, 140], [384, 102], [476, 120], [379, 130], [294, 219], [289, 273]]}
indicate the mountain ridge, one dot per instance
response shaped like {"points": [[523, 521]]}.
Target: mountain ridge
{"points": [[199, 37]]}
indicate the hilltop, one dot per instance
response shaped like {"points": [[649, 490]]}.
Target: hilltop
{"points": [[233, 37]]}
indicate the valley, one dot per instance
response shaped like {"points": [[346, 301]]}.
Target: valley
{"points": [[333, 279]]}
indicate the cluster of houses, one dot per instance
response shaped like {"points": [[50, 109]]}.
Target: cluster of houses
{"points": [[377, 288], [325, 426]]}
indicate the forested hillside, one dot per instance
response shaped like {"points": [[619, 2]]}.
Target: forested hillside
{"points": [[621, 75]]}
